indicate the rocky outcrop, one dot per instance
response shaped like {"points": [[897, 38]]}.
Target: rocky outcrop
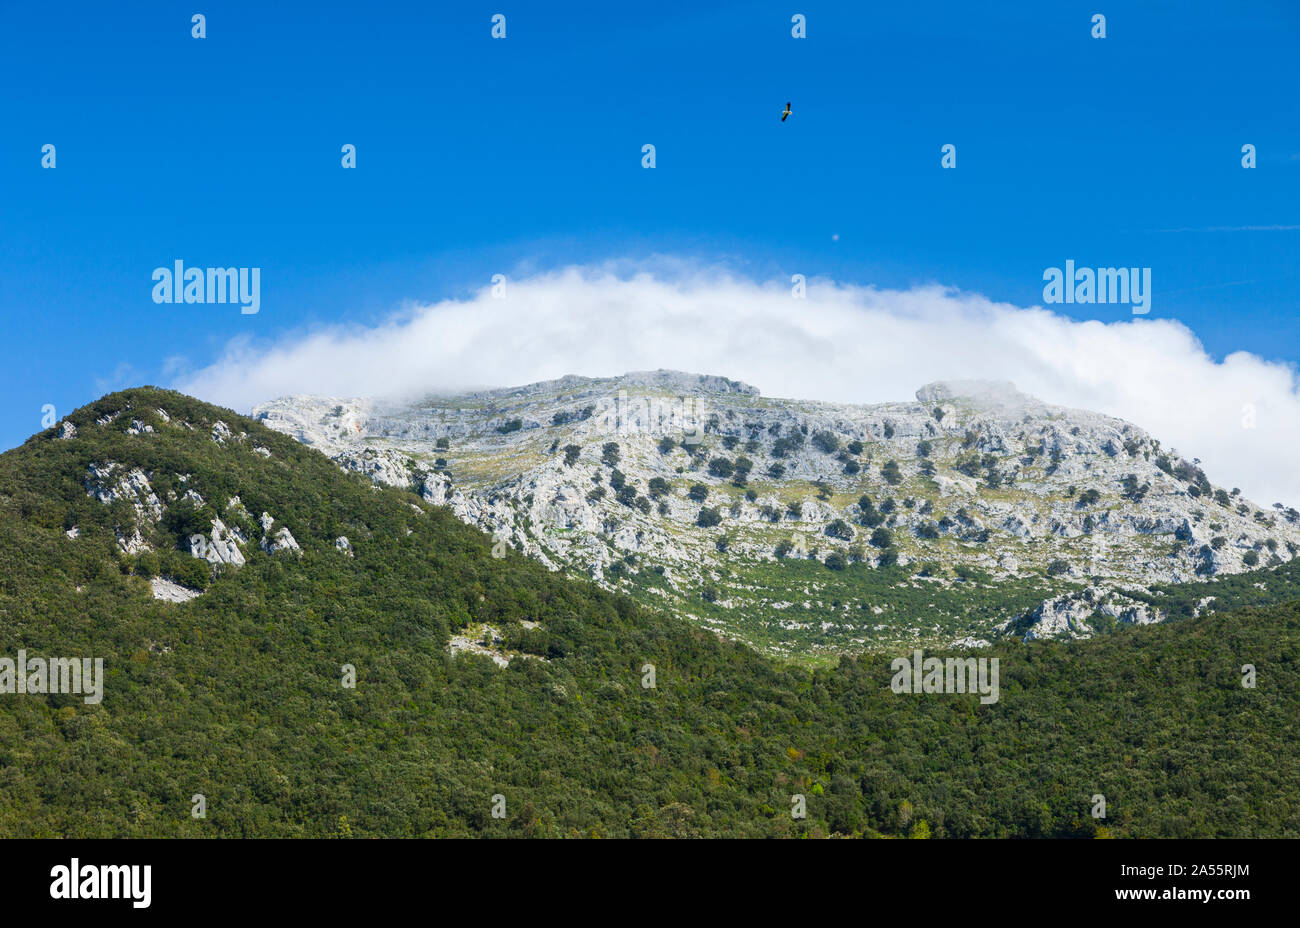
{"points": [[172, 592], [280, 540], [107, 483], [220, 546], [1076, 614]]}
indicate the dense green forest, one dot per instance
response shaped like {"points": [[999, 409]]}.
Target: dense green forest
{"points": [[237, 695]]}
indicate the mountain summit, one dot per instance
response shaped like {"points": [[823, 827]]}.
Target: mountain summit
{"points": [[698, 491]]}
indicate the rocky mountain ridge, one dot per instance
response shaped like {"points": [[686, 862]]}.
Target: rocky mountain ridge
{"points": [[689, 484]]}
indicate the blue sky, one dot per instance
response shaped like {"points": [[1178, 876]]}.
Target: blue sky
{"points": [[478, 155]]}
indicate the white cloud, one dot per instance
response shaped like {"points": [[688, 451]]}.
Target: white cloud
{"points": [[841, 343]]}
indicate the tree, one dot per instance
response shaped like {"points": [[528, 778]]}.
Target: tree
{"points": [[826, 442], [571, 453], [1131, 490], [698, 492], [721, 467], [836, 561], [658, 487], [892, 474], [840, 529], [610, 453], [666, 445], [882, 538], [708, 517]]}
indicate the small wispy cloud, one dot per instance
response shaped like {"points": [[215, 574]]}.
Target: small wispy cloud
{"points": [[123, 376], [1233, 229]]}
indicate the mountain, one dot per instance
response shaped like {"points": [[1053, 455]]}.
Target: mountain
{"points": [[809, 528], [201, 556]]}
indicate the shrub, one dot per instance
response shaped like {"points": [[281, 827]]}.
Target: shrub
{"points": [[721, 467], [927, 530], [825, 442], [840, 529]]}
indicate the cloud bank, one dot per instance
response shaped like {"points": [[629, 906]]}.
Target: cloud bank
{"points": [[841, 343]]}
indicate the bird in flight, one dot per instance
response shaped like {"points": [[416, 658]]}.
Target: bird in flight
{"points": [[786, 113]]}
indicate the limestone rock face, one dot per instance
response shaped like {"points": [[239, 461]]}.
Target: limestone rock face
{"points": [[583, 473], [67, 430], [107, 483], [220, 546], [172, 592], [1072, 615], [281, 540]]}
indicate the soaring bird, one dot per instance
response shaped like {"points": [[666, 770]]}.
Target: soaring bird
{"points": [[786, 113]]}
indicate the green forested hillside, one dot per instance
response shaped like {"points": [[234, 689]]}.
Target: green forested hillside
{"points": [[237, 694]]}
